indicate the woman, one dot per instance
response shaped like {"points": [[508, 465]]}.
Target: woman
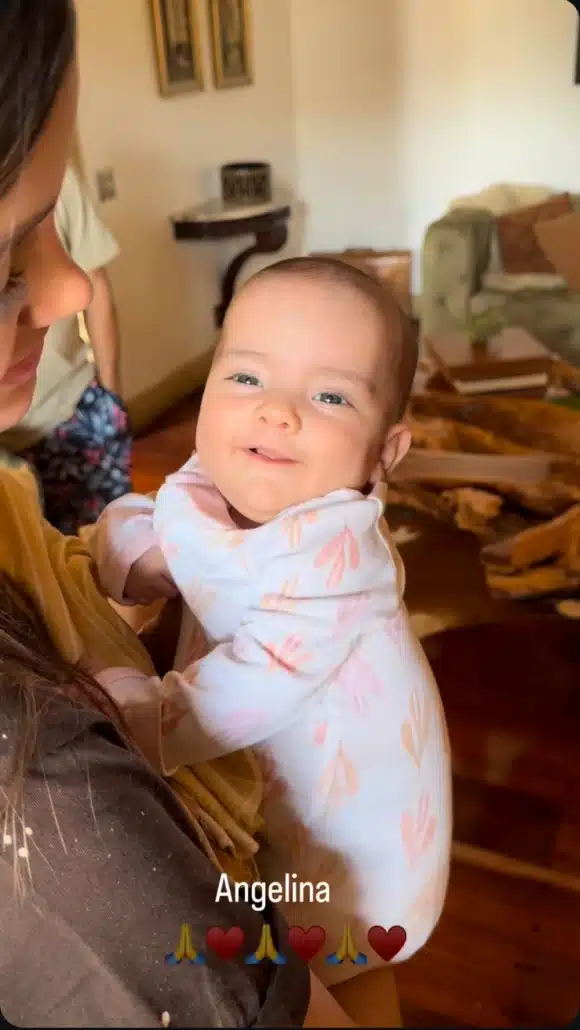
{"points": [[99, 865], [76, 435]]}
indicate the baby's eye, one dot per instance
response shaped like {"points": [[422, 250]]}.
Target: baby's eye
{"points": [[331, 398], [245, 379]]}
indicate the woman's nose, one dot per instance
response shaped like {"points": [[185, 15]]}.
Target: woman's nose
{"points": [[56, 287], [279, 413]]}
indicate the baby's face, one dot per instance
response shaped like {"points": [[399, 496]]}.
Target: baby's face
{"points": [[295, 403]]}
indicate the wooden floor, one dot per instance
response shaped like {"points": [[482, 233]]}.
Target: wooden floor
{"points": [[507, 950]]}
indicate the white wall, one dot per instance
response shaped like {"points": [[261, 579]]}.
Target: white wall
{"points": [[402, 105], [436, 104], [165, 153], [376, 112], [489, 96], [347, 80], [524, 97]]}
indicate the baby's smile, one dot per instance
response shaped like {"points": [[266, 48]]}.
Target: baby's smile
{"points": [[269, 456]]}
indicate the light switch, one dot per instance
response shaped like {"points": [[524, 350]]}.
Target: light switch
{"points": [[106, 185]]}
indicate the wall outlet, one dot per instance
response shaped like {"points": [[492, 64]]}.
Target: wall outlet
{"points": [[106, 185]]}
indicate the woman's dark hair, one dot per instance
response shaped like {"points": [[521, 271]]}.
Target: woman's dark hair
{"points": [[37, 44], [34, 678]]}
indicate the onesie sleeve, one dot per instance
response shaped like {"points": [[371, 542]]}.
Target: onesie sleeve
{"points": [[122, 534], [125, 531], [308, 608]]}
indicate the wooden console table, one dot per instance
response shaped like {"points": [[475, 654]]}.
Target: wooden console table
{"points": [[267, 223]]}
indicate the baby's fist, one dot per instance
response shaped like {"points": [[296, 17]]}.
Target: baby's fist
{"points": [[149, 579]]}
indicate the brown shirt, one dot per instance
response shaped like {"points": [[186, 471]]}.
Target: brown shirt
{"points": [[111, 875]]}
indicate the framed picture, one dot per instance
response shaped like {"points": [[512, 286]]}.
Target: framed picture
{"points": [[231, 42], [176, 31]]}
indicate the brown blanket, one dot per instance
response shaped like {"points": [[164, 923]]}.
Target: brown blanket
{"points": [[508, 470]]}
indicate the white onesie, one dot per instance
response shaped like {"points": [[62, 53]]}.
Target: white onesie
{"points": [[314, 663]]}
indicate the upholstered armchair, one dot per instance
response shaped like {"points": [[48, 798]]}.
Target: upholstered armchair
{"points": [[462, 274]]}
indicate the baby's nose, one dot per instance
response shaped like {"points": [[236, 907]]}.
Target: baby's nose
{"points": [[279, 413]]}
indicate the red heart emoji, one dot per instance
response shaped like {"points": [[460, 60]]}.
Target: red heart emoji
{"points": [[306, 943], [387, 944], [225, 943]]}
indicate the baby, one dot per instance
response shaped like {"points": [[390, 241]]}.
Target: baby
{"points": [[273, 534]]}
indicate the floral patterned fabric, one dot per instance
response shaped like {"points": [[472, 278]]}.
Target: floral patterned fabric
{"points": [[86, 462], [314, 664]]}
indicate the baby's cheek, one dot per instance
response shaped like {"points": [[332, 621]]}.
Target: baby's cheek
{"points": [[213, 429], [347, 453], [374, 449]]}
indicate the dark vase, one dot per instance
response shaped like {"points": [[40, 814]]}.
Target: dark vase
{"points": [[244, 183]]}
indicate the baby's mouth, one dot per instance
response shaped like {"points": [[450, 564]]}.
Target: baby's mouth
{"points": [[271, 456]]}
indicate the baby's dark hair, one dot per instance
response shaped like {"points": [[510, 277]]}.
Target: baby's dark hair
{"points": [[402, 339]]}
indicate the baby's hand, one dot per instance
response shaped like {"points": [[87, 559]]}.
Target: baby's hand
{"points": [[149, 579]]}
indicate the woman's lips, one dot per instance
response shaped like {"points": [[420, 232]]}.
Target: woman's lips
{"points": [[23, 370]]}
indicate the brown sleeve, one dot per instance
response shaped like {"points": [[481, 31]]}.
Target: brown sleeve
{"points": [[114, 873]]}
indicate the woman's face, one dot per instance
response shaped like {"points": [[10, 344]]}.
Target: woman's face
{"points": [[39, 284]]}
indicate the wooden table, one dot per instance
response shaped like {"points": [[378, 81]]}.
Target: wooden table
{"points": [[267, 223], [503, 353]]}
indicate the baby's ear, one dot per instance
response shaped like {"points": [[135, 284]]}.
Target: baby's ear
{"points": [[396, 446]]}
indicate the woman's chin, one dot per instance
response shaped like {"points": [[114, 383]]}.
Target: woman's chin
{"points": [[15, 403]]}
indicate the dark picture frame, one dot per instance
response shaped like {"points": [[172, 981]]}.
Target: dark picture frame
{"points": [[231, 34], [177, 46]]}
